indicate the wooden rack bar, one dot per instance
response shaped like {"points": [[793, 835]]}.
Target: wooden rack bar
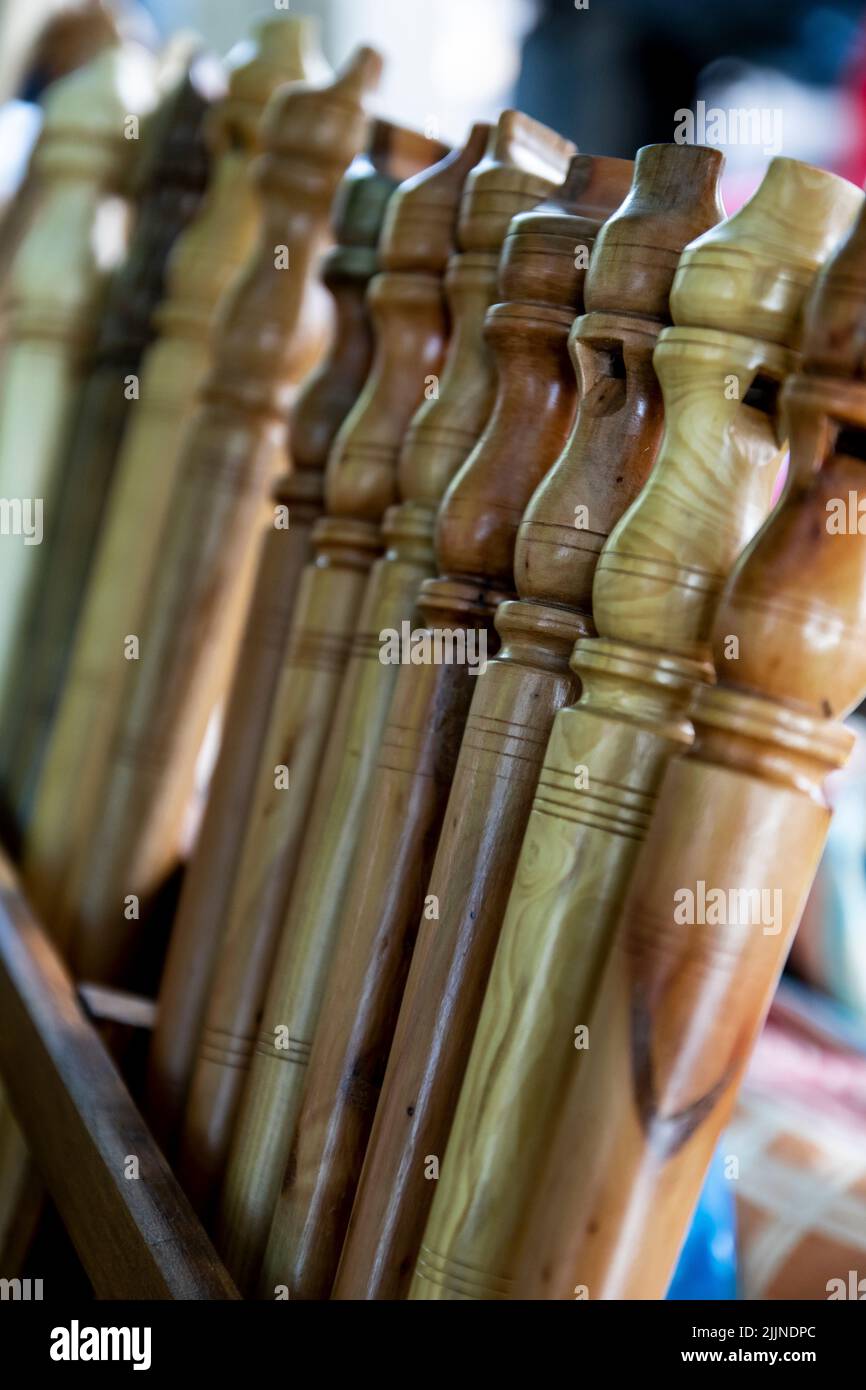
{"points": [[137, 1238]]}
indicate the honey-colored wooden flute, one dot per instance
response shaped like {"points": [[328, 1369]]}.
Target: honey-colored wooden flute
{"points": [[54, 295], [322, 405], [656, 587], [170, 183], [250, 920], [510, 171], [232, 450], [673, 196], [722, 877], [203, 264], [384, 897]]}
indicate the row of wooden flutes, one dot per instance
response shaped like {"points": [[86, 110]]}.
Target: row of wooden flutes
{"points": [[512, 654]]}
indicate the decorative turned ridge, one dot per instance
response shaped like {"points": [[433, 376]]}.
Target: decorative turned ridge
{"points": [[661, 573], [607, 454], [500, 179], [744, 817], [202, 265], [654, 594], [170, 185], [54, 292], [322, 405], [230, 451]]}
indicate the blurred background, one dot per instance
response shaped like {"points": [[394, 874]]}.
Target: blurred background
{"points": [[611, 74], [784, 1212]]}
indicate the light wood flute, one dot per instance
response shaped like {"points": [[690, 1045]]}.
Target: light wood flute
{"points": [[230, 454], [322, 405], [673, 196], [169, 186], [205, 259], [656, 587], [54, 294], [240, 956], [410, 320], [384, 895], [721, 880], [433, 448]]}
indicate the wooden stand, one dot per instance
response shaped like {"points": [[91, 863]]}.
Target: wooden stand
{"points": [[230, 454], [384, 896], [322, 405], [202, 265], [654, 595], [721, 880], [674, 195], [135, 1239]]}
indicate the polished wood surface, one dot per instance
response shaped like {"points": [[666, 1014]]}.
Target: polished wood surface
{"points": [[409, 319], [135, 1239], [521, 159], [607, 455], [384, 896], [740, 825], [169, 189], [54, 294], [409, 333], [322, 405], [656, 587], [230, 455], [203, 263], [68, 40]]}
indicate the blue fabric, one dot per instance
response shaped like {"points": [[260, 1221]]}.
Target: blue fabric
{"points": [[707, 1267]]}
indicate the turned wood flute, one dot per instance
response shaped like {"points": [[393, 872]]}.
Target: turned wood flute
{"points": [[54, 294], [323, 403], [203, 263], [170, 185], [511, 175], [655, 591], [410, 311], [54, 290], [673, 196], [544, 261], [242, 959], [230, 454], [735, 841]]}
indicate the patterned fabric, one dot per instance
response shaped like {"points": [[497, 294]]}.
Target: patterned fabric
{"points": [[796, 1151]]}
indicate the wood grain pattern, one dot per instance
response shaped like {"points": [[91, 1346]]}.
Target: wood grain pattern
{"points": [[169, 188], [203, 263], [655, 591], [411, 326], [136, 1239], [610, 449], [55, 290], [251, 914], [384, 897], [190, 620], [685, 991], [322, 405]]}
